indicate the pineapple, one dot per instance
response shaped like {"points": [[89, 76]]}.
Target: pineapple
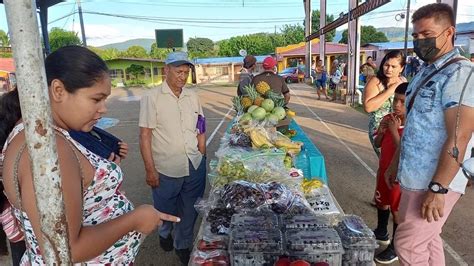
{"points": [[246, 102], [258, 101], [263, 88], [237, 104], [251, 92]]}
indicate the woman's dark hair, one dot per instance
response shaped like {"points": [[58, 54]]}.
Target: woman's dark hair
{"points": [[76, 67], [402, 88], [10, 113], [392, 54]]}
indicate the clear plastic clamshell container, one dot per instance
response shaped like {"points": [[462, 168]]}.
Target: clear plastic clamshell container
{"points": [[304, 221], [358, 240], [318, 245], [255, 247], [250, 221]]}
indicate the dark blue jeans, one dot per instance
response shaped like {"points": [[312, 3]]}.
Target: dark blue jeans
{"points": [[177, 196]]}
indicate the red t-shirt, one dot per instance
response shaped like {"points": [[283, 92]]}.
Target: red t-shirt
{"points": [[387, 149]]}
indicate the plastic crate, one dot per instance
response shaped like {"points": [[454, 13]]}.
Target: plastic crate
{"points": [[304, 221], [254, 222], [357, 239], [314, 245], [255, 247]]}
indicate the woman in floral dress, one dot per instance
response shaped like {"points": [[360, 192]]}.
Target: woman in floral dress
{"points": [[103, 226], [379, 91]]}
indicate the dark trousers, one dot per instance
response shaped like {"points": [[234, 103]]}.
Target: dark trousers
{"points": [[177, 196]]}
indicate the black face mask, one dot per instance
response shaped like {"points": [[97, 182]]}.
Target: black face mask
{"points": [[426, 48]]}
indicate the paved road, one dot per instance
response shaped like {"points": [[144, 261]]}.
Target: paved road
{"points": [[337, 130]]}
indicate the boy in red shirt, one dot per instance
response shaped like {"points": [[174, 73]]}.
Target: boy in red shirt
{"points": [[388, 139]]}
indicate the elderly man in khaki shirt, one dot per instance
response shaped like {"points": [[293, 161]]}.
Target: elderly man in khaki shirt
{"points": [[173, 147]]}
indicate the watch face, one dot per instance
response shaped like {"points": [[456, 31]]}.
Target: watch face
{"points": [[435, 187]]}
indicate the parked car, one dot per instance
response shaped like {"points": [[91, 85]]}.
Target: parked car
{"points": [[290, 74]]}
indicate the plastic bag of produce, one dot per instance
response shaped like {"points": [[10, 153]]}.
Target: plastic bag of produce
{"points": [[212, 257], [258, 166], [210, 241], [279, 198]]}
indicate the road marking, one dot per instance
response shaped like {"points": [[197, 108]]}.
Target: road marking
{"points": [[446, 246], [372, 172], [218, 126]]}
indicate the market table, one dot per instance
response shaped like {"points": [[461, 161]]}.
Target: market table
{"points": [[316, 163]]}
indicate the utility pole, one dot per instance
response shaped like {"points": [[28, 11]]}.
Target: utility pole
{"points": [[307, 31], [407, 23], [81, 21], [322, 38], [39, 132]]}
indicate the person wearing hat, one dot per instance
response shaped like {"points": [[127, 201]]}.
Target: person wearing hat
{"points": [[276, 82], [246, 75], [173, 148]]}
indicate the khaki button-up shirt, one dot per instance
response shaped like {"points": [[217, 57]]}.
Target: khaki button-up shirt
{"points": [[174, 134]]}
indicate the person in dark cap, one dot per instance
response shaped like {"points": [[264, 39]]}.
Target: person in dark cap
{"points": [[276, 82], [246, 75], [173, 148]]}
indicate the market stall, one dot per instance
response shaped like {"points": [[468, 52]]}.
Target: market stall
{"points": [[269, 202]]}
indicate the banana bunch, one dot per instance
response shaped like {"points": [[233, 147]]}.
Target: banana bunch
{"points": [[260, 138], [282, 141]]}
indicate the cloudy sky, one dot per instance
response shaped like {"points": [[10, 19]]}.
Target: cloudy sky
{"points": [[109, 21]]}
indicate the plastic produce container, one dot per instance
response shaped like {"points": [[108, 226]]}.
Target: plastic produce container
{"points": [[255, 247], [304, 221], [358, 241], [321, 245], [255, 222]]}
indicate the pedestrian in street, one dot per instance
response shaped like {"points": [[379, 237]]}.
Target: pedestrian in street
{"points": [[439, 129], [173, 148], [368, 69], [103, 226], [246, 74], [335, 79], [379, 91], [276, 82], [387, 199], [321, 78]]}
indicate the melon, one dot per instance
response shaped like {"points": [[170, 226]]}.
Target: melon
{"points": [[279, 112], [245, 117], [259, 113], [268, 105], [272, 118], [252, 108]]}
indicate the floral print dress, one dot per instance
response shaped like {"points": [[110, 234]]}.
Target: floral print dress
{"points": [[376, 117], [103, 201]]}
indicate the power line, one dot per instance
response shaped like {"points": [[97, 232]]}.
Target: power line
{"points": [[175, 23]]}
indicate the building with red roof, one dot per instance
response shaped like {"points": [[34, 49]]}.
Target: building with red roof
{"points": [[7, 74]]}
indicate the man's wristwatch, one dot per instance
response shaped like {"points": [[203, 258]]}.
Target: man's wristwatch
{"points": [[436, 187]]}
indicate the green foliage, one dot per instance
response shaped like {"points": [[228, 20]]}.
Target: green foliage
{"points": [[200, 47], [256, 44], [106, 54], [4, 40], [59, 38], [135, 70], [315, 24], [135, 51], [368, 34], [159, 53], [292, 34], [265, 43]]}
